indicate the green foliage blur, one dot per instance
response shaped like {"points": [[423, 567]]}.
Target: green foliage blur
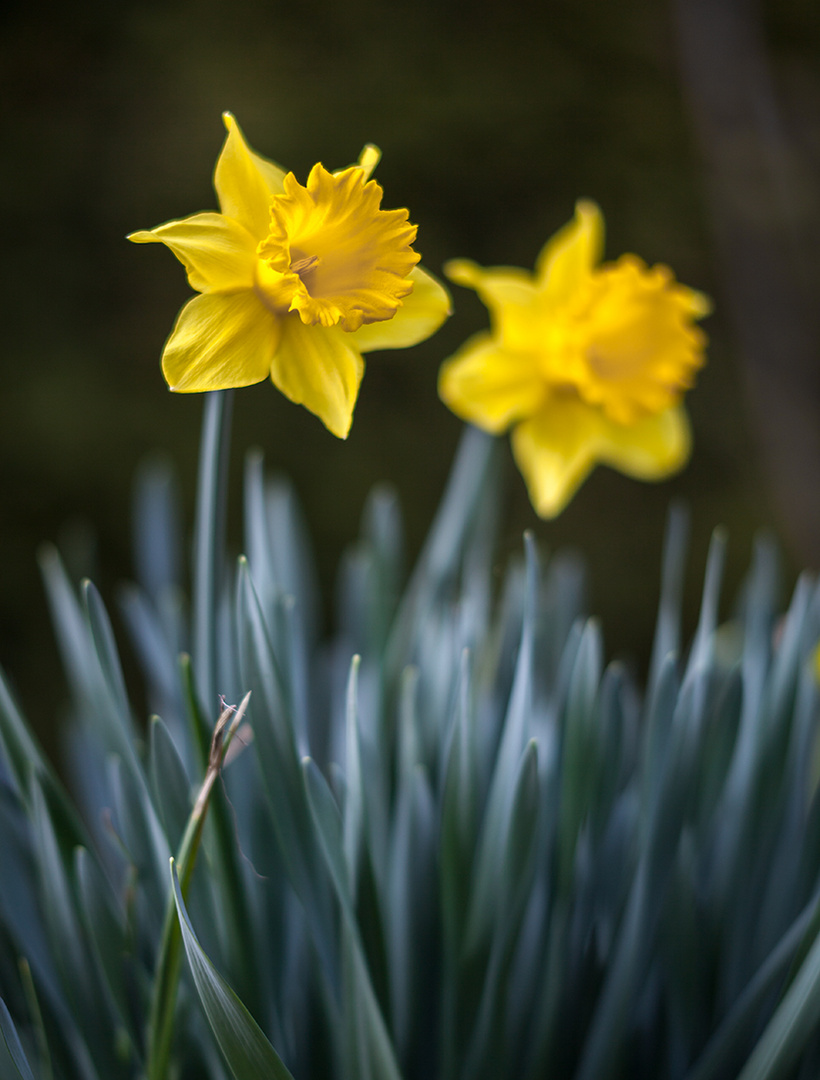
{"points": [[492, 118]]}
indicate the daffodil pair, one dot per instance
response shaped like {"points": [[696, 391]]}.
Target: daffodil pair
{"points": [[586, 362]]}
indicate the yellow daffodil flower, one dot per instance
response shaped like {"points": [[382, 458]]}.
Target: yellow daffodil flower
{"points": [[295, 282], [587, 363]]}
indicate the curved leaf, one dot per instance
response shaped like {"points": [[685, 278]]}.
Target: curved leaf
{"points": [[247, 1051]]}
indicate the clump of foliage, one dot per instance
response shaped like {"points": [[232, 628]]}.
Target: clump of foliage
{"points": [[449, 841]]}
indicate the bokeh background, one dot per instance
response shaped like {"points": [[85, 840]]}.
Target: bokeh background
{"points": [[694, 123]]}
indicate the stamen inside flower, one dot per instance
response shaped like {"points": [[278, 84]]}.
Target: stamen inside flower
{"points": [[332, 255], [304, 266]]}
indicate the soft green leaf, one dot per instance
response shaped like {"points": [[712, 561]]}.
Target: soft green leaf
{"points": [[376, 1046], [410, 908], [580, 747], [104, 926], [354, 794], [793, 1024], [141, 833], [247, 1051], [70, 626], [157, 529], [606, 1038], [725, 1049], [59, 911], [19, 903], [275, 741], [102, 637], [25, 755], [169, 782], [12, 1041], [700, 655], [473, 473], [277, 544], [459, 815], [487, 886], [158, 642], [515, 875], [668, 624]]}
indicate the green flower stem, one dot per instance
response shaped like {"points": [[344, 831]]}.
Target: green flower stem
{"points": [[226, 868], [209, 571], [201, 685], [166, 980], [209, 541]]}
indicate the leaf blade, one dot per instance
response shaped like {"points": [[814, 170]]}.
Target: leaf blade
{"points": [[249, 1054]]}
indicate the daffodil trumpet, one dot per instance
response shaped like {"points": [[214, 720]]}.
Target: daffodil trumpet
{"points": [[586, 363], [295, 282]]}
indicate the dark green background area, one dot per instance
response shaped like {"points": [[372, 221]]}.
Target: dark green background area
{"points": [[492, 117]]}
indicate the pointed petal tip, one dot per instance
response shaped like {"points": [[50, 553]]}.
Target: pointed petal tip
{"points": [[462, 271], [340, 427], [701, 304], [589, 217], [584, 207], [369, 159], [141, 236]]}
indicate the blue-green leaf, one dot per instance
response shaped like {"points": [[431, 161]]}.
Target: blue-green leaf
{"points": [[793, 1024], [247, 1051], [102, 637], [12, 1040], [373, 1047], [169, 783]]}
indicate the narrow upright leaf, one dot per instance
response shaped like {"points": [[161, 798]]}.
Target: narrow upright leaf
{"points": [[12, 1041], [247, 1051]]}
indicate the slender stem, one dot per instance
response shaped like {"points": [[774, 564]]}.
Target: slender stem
{"points": [[166, 978], [209, 550], [209, 568], [209, 542]]}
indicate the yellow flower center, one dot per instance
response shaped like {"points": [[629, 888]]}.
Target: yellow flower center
{"points": [[634, 348], [332, 255]]}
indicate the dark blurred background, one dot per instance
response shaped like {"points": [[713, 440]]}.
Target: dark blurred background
{"points": [[695, 124]]}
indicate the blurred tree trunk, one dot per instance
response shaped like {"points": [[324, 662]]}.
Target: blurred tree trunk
{"points": [[766, 215]]}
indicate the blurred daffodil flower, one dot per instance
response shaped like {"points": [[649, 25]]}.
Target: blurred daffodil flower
{"points": [[587, 363], [295, 282]]}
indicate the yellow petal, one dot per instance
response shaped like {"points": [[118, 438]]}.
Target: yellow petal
{"points": [[557, 448], [369, 159], [219, 341], [652, 449], [420, 315], [568, 257], [216, 251], [490, 386], [555, 453], [497, 286], [245, 182], [699, 304], [515, 306], [321, 369]]}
